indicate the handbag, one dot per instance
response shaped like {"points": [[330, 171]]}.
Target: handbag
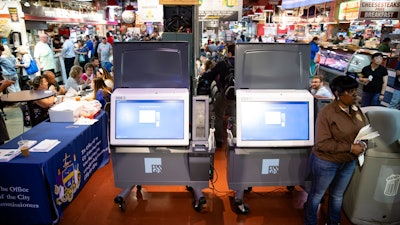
{"points": [[33, 68], [81, 58]]}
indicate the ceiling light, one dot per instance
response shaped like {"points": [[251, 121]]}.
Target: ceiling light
{"points": [[27, 4]]}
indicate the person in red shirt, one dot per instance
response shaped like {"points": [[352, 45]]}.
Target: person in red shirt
{"points": [[110, 38]]}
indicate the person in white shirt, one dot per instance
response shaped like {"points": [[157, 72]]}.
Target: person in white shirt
{"points": [[44, 55], [318, 89]]}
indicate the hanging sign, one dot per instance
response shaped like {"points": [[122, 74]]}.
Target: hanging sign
{"points": [[372, 9], [349, 10], [150, 11], [225, 10]]}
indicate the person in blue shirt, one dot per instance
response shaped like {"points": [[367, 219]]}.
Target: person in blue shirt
{"points": [[68, 53], [314, 51], [7, 64], [82, 52], [100, 91], [89, 45]]}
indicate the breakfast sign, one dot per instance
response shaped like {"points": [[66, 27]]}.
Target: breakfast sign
{"points": [[372, 9]]}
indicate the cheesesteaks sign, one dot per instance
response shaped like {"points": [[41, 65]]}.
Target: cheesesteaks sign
{"points": [[373, 9]]}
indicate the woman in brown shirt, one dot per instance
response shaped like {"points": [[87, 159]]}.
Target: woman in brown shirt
{"points": [[334, 155]]}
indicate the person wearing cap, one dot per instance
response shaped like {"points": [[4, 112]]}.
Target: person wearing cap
{"points": [[44, 55], [374, 77]]}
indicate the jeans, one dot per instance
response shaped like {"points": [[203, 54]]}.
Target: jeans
{"points": [[370, 99], [68, 64], [395, 102], [326, 174]]}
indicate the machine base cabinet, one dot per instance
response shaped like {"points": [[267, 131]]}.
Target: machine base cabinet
{"points": [[248, 167], [373, 195], [151, 166]]}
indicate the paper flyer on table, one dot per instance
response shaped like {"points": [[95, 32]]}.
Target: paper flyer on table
{"points": [[8, 154], [365, 133], [45, 146]]}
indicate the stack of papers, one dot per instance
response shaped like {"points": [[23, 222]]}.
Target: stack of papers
{"points": [[8, 154], [85, 121], [365, 133], [45, 145]]}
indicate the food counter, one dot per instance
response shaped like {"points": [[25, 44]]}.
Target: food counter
{"points": [[335, 60]]}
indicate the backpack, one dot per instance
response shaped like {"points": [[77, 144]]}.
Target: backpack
{"points": [[228, 82], [203, 87]]}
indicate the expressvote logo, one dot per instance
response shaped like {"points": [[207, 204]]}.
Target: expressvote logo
{"points": [[152, 165], [270, 166]]}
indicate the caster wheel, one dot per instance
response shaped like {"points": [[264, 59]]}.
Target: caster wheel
{"points": [[118, 200], [248, 190], [121, 203], [198, 206], [138, 187], [290, 188], [241, 207], [188, 188]]}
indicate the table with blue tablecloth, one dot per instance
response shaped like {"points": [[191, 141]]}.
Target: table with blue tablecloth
{"points": [[35, 189]]}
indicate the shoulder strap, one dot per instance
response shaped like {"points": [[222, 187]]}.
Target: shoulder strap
{"points": [[228, 62]]}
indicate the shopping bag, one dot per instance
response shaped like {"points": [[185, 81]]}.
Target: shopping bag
{"points": [[33, 68]]}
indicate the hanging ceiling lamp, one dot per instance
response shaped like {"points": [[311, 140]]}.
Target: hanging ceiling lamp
{"points": [[111, 3], [130, 7], [128, 16]]}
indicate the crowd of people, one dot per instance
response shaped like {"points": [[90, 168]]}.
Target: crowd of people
{"points": [[373, 77], [87, 63]]}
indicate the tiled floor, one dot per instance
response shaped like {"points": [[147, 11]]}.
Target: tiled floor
{"points": [[167, 205]]}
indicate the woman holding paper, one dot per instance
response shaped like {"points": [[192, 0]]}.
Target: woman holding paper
{"points": [[334, 155]]}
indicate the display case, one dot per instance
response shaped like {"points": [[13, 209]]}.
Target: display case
{"points": [[335, 60]]}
